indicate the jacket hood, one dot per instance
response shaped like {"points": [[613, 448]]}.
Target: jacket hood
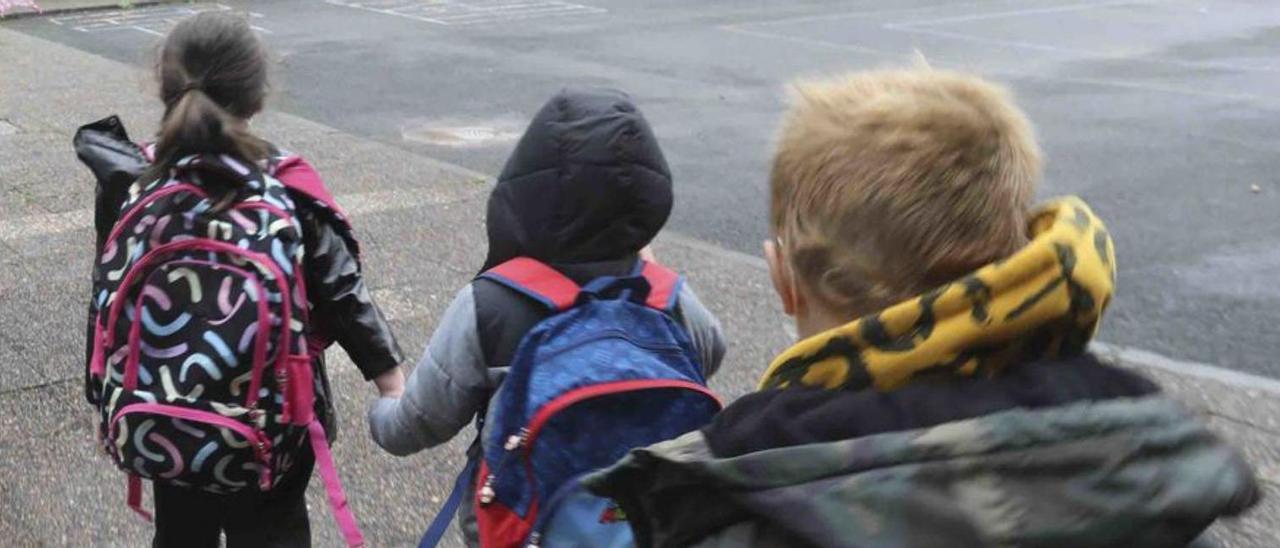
{"points": [[1043, 302], [587, 182], [1127, 472]]}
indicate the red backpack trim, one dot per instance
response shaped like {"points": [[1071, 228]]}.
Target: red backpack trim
{"points": [[537, 280], [558, 293]]}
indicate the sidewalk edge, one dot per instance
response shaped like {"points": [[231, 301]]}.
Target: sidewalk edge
{"points": [[43, 12], [1228, 377]]}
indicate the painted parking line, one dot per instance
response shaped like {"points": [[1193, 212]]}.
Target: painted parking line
{"points": [[472, 12], [154, 21]]}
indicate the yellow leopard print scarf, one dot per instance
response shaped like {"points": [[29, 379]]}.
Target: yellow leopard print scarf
{"points": [[1044, 301]]}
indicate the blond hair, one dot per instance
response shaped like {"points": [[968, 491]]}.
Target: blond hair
{"points": [[886, 184]]}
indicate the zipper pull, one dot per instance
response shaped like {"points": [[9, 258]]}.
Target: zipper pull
{"points": [[486, 490], [535, 539], [516, 440], [263, 448]]}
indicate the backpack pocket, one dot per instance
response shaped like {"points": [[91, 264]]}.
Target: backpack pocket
{"points": [[219, 448], [214, 315], [575, 518], [550, 450]]}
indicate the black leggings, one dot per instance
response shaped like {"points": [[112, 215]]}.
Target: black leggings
{"points": [[188, 518]]}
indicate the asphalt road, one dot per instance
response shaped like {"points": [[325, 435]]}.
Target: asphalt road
{"points": [[1162, 114]]}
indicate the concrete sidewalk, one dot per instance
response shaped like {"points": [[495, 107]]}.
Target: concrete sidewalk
{"points": [[421, 222]]}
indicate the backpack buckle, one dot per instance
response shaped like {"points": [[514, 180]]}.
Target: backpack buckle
{"points": [[487, 493]]}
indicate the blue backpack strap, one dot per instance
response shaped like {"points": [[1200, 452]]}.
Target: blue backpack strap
{"points": [[664, 286], [440, 525], [537, 280]]}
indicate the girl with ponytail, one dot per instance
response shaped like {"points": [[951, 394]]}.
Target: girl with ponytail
{"points": [[212, 73]]}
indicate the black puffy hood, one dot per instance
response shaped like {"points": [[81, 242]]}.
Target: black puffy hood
{"points": [[586, 183]]}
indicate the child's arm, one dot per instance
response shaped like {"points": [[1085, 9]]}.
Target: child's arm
{"points": [[446, 390], [344, 311], [704, 330]]}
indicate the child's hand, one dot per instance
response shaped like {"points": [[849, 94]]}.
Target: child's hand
{"points": [[391, 383], [647, 255]]}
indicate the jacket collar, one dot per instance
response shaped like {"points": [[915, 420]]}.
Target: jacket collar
{"points": [[1043, 302]]}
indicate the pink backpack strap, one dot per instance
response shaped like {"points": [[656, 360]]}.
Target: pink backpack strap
{"points": [[298, 175], [537, 280], [134, 496], [98, 360], [664, 286], [333, 486]]}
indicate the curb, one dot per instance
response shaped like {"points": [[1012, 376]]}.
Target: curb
{"points": [[1151, 360], [104, 6]]}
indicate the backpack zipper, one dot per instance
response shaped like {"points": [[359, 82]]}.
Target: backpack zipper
{"points": [[595, 391]]}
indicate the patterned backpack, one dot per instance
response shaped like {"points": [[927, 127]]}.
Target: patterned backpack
{"points": [[609, 371], [200, 362]]}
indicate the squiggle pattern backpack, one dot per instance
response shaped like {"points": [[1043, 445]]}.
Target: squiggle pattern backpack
{"points": [[200, 362], [609, 371]]}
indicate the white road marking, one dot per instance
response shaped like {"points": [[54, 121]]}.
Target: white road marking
{"points": [[147, 30], [860, 14], [154, 21], [458, 136], [1030, 11], [472, 12], [736, 29]]}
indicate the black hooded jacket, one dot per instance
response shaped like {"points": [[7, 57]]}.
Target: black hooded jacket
{"points": [[587, 183], [585, 189]]}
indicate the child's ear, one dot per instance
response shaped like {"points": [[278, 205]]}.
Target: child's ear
{"points": [[783, 281]]}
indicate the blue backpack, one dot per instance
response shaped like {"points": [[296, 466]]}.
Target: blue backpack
{"points": [[609, 371]]}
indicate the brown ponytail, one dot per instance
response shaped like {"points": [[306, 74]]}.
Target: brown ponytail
{"points": [[212, 72]]}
